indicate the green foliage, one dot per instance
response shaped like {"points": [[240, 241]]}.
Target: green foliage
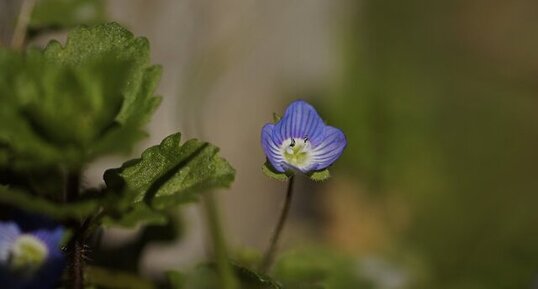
{"points": [[166, 175], [38, 205], [67, 105], [250, 279], [205, 277], [307, 268], [318, 268], [110, 279], [67, 13], [202, 277], [111, 41]]}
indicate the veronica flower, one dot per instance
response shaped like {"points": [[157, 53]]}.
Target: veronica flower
{"points": [[301, 141], [30, 260]]}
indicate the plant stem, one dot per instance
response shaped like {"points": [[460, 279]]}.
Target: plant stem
{"points": [[19, 34], [76, 245], [269, 254], [227, 278], [76, 264]]}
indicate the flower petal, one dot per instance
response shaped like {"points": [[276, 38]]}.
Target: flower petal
{"points": [[9, 232], [301, 120], [51, 271], [52, 239], [272, 149], [329, 150]]}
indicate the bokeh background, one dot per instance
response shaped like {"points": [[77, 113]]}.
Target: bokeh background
{"points": [[438, 187]]}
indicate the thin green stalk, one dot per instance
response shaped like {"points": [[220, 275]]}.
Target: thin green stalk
{"points": [[267, 260], [227, 278]]}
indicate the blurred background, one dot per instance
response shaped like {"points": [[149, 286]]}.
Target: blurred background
{"points": [[438, 186]]}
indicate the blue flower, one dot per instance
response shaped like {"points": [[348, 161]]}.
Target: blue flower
{"points": [[32, 259], [300, 140]]}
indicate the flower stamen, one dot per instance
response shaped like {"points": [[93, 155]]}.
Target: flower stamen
{"points": [[296, 152], [27, 253]]}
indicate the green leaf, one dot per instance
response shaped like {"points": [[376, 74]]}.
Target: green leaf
{"points": [[269, 171], [69, 104], [320, 176], [35, 204], [167, 174], [66, 13], [250, 279], [87, 44]]}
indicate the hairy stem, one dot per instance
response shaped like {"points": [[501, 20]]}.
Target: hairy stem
{"points": [[270, 253], [76, 264], [227, 278], [21, 27], [76, 245]]}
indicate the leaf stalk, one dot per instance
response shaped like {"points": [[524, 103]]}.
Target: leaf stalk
{"points": [[226, 275]]}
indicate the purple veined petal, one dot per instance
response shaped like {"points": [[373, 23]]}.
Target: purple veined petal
{"points": [[272, 149], [301, 120], [329, 150], [9, 232]]}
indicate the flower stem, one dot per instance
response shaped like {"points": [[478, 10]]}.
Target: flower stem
{"points": [[269, 254], [76, 245], [19, 34], [227, 278]]}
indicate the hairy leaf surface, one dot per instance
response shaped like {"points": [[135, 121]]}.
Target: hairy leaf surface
{"points": [[166, 175]]}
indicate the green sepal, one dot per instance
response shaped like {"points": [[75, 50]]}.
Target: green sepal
{"points": [[276, 117], [270, 171], [319, 176]]}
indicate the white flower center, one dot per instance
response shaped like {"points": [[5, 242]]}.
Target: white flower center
{"points": [[297, 152], [27, 253]]}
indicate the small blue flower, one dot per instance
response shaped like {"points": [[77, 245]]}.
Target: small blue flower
{"points": [[30, 260], [300, 140]]}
